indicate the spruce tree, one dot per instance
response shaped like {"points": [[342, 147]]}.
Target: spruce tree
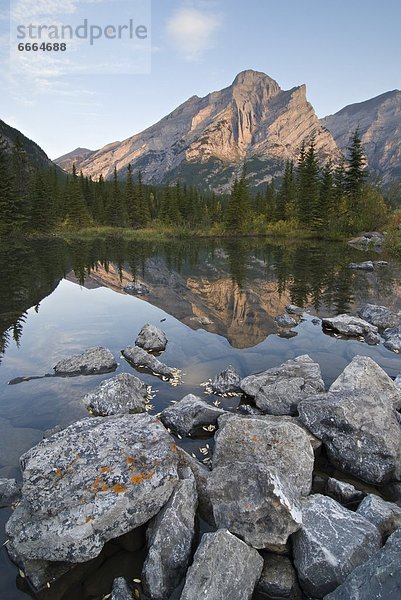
{"points": [[9, 221], [308, 187], [356, 172], [77, 215], [131, 199], [285, 198], [43, 213], [238, 208]]}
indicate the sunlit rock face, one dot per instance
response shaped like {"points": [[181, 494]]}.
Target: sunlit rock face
{"points": [[379, 123], [206, 140]]}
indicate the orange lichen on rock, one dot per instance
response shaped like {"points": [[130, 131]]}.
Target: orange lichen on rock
{"points": [[118, 488], [105, 488], [59, 472], [105, 469], [130, 460]]}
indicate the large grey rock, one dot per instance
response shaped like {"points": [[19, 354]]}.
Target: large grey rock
{"points": [[332, 542], [151, 338], [170, 539], [363, 373], [379, 578], [122, 394], [274, 443], [292, 309], [93, 361], [386, 516], [279, 390], [121, 590], [94, 481], [285, 320], [380, 316], [349, 326], [278, 580], [225, 383], [256, 503], [392, 338], [10, 492], [223, 567], [344, 493], [189, 414], [139, 358], [366, 265], [201, 474], [360, 432]]}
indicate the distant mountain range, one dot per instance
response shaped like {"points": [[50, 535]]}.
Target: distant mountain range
{"points": [[206, 141]]}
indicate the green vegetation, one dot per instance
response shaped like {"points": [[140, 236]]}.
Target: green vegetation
{"points": [[310, 200]]}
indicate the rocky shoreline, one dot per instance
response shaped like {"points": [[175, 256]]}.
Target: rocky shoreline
{"points": [[298, 496]]}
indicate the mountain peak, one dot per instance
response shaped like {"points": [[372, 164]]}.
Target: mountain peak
{"points": [[250, 78]]}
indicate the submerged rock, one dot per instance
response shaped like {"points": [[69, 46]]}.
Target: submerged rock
{"points": [[285, 320], [343, 492], [223, 566], [256, 503], [94, 481], [349, 326], [278, 391], [170, 539], [360, 432], [189, 414], [93, 361], [122, 394], [10, 492], [274, 443], [139, 358], [392, 338], [278, 580], [367, 265], [386, 516], [380, 316], [332, 542], [151, 339], [134, 288], [226, 382], [363, 373], [379, 578]]}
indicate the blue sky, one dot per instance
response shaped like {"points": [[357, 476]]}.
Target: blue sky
{"points": [[344, 51]]}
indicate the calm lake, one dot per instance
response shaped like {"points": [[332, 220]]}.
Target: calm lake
{"points": [[216, 301]]}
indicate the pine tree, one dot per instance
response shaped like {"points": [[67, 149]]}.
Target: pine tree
{"points": [[43, 213], [286, 196], [77, 215], [308, 187], [327, 195], [356, 172], [131, 199], [8, 220], [238, 208], [143, 207]]}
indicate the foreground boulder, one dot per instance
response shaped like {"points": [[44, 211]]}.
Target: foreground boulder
{"points": [[225, 383], [255, 502], [122, 394], [151, 339], [379, 578], [170, 540], [344, 493], [10, 492], [223, 566], [278, 391], [93, 361], [349, 326], [392, 337], [278, 580], [363, 373], [386, 516], [139, 358], [271, 442], [360, 432], [94, 481], [380, 316], [189, 414], [201, 474], [371, 239], [332, 542]]}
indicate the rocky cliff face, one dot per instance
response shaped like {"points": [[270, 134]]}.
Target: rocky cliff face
{"points": [[207, 139], [379, 124], [78, 155]]}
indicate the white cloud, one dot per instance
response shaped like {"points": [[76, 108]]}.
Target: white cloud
{"points": [[192, 31]]}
